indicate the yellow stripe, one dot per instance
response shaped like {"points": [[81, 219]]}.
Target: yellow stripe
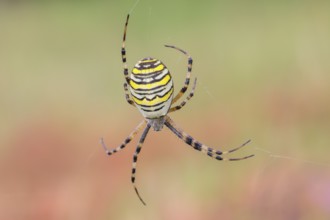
{"points": [[149, 70], [155, 101], [150, 86]]}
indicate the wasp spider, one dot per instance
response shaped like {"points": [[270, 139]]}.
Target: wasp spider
{"points": [[150, 89]]}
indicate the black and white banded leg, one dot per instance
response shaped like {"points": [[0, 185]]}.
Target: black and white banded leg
{"points": [[183, 103], [123, 52], [216, 154], [125, 142], [187, 81], [135, 157], [127, 95]]}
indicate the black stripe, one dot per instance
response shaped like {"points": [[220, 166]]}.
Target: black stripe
{"points": [[189, 140], [159, 96], [153, 110], [218, 152], [197, 145], [218, 158], [146, 66], [157, 87], [152, 106], [134, 158], [153, 80], [183, 89], [151, 92], [151, 74], [151, 62], [147, 107]]}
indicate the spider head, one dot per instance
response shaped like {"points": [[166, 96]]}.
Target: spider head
{"points": [[157, 123]]}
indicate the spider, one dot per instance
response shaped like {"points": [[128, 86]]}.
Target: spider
{"points": [[150, 89]]}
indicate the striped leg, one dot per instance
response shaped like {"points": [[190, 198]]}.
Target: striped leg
{"points": [[127, 96], [216, 154], [186, 84], [123, 52], [191, 94], [135, 157], [126, 141]]}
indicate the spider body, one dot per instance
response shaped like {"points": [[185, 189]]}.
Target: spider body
{"points": [[150, 89]]}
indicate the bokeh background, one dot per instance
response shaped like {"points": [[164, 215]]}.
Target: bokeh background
{"points": [[263, 71]]}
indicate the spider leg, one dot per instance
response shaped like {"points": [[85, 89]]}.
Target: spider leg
{"points": [[125, 142], [135, 157], [187, 81], [123, 52], [191, 94], [216, 154], [127, 96]]}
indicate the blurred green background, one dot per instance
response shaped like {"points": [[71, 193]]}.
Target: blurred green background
{"points": [[263, 73]]}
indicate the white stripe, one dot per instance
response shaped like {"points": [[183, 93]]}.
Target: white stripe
{"points": [[149, 79], [135, 79], [162, 74]]}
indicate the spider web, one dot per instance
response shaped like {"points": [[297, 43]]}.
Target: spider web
{"points": [[134, 6]]}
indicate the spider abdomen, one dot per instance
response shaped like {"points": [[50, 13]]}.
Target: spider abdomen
{"points": [[151, 87]]}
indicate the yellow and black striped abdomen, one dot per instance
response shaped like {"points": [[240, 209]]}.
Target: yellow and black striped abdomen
{"points": [[151, 87]]}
